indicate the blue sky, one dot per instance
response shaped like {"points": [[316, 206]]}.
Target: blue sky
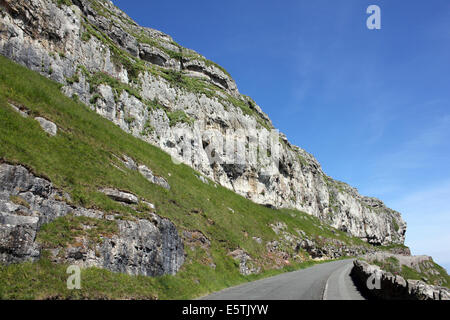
{"points": [[373, 106]]}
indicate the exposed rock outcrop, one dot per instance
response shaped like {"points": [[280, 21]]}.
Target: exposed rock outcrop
{"points": [[318, 248], [149, 247], [246, 266], [145, 171], [47, 126], [143, 81], [195, 239], [120, 196], [141, 247], [148, 174], [23, 112]]}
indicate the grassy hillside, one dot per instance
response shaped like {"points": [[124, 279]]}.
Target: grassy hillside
{"points": [[82, 158]]}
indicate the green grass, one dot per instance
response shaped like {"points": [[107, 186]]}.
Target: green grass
{"points": [[390, 264], [61, 3], [393, 247], [247, 109], [46, 280], [178, 79], [179, 116], [395, 224], [154, 105], [302, 160], [81, 158], [129, 120], [65, 231], [442, 278], [148, 129], [94, 98], [75, 78], [86, 36], [19, 201], [117, 86]]}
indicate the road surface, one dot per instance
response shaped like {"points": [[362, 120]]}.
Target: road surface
{"points": [[327, 281]]}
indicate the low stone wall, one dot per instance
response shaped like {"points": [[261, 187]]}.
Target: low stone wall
{"points": [[379, 284]]}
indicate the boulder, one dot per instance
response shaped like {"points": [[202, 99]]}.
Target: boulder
{"points": [[47, 126], [120, 196], [148, 174]]}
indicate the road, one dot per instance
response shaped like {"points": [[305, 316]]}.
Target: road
{"points": [[327, 281]]}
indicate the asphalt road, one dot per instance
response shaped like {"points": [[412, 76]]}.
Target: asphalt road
{"points": [[327, 281]]}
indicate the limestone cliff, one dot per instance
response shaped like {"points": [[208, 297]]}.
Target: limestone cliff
{"points": [[150, 86]]}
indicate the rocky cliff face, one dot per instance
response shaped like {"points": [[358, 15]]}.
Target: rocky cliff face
{"points": [[150, 247], [173, 97]]}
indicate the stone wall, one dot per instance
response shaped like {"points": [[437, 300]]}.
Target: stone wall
{"points": [[386, 286]]}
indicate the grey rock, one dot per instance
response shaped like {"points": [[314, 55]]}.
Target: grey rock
{"points": [[153, 55], [148, 174], [202, 179], [150, 205], [196, 238], [142, 247], [17, 239], [129, 163], [47, 126], [257, 239], [217, 76], [245, 262], [149, 247], [23, 112], [120, 196], [318, 248]]}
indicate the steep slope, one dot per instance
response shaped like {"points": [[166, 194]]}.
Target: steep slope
{"points": [[88, 194], [170, 96]]}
